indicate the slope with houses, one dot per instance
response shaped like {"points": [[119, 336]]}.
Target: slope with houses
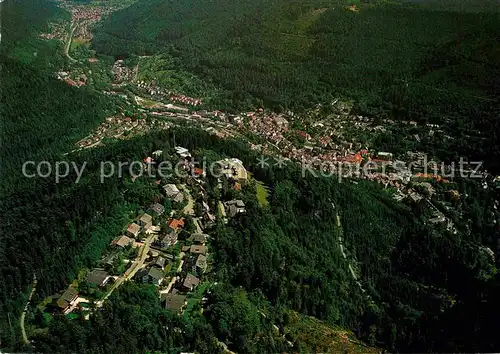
{"points": [[165, 246]]}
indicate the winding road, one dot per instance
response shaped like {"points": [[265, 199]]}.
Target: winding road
{"points": [[68, 42], [341, 244], [23, 316]]}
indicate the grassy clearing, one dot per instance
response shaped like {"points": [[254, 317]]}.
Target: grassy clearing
{"points": [[323, 338], [196, 297], [77, 42], [262, 194], [72, 316]]}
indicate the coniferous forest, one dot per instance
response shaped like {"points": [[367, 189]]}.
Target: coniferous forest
{"points": [[417, 287]]}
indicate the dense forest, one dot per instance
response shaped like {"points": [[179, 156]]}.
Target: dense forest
{"points": [[420, 288], [423, 61], [404, 285]]}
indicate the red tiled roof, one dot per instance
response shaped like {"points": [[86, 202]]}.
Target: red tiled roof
{"points": [[198, 171], [70, 82], [175, 224]]}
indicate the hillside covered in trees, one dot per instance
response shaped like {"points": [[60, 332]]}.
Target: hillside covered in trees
{"points": [[400, 284], [303, 52], [432, 62], [420, 288]]}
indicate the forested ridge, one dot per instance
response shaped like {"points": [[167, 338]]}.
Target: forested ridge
{"points": [[420, 287], [432, 62], [424, 286]]}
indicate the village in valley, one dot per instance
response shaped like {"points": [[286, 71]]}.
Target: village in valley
{"points": [[168, 243]]}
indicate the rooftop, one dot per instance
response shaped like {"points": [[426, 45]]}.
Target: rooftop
{"points": [[198, 249], [122, 241], [97, 276], [234, 169], [155, 273], [201, 262], [174, 224], [134, 229], [171, 190], [190, 281], [174, 302], [146, 219], [198, 238], [157, 208]]}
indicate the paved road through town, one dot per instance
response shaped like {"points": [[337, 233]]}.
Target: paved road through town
{"points": [[132, 270]]}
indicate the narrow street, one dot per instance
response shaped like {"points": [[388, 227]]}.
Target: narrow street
{"points": [[132, 270], [189, 208]]}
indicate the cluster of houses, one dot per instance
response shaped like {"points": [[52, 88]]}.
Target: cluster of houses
{"points": [[186, 100], [271, 126], [123, 73], [89, 13], [84, 30], [78, 80], [156, 92], [194, 265], [120, 127], [57, 31]]}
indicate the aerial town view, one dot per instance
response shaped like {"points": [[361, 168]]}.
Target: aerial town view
{"points": [[260, 176]]}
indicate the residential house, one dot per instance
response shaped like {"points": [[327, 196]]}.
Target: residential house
{"points": [[201, 263], [153, 276], [169, 257], [281, 121], [175, 224], [153, 253], [168, 240], [198, 172], [182, 152], [109, 260], [64, 302], [98, 277], [438, 218], [160, 263], [234, 207], [146, 221], [133, 230], [198, 249], [171, 190], [234, 170], [122, 241], [209, 219], [174, 302], [174, 193], [190, 282], [198, 224], [384, 155], [157, 208], [185, 248], [222, 211], [179, 198], [199, 239]]}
